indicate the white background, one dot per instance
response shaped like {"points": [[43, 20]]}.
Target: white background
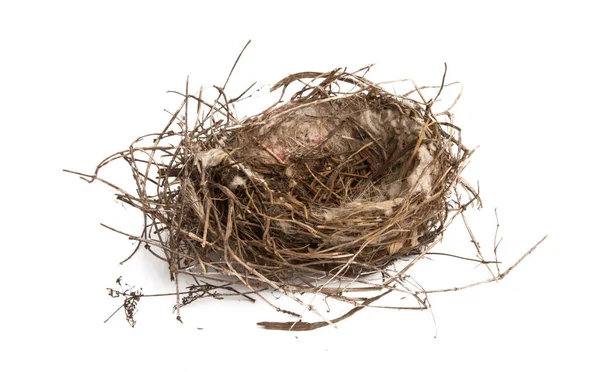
{"points": [[81, 80]]}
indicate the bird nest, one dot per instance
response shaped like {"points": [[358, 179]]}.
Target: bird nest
{"points": [[315, 194]]}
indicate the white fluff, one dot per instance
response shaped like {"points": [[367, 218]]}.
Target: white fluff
{"points": [[212, 157], [236, 182], [420, 178]]}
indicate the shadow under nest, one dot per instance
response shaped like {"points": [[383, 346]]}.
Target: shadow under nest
{"points": [[332, 184]]}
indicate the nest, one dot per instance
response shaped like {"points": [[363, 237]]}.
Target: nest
{"points": [[328, 183], [332, 184]]}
